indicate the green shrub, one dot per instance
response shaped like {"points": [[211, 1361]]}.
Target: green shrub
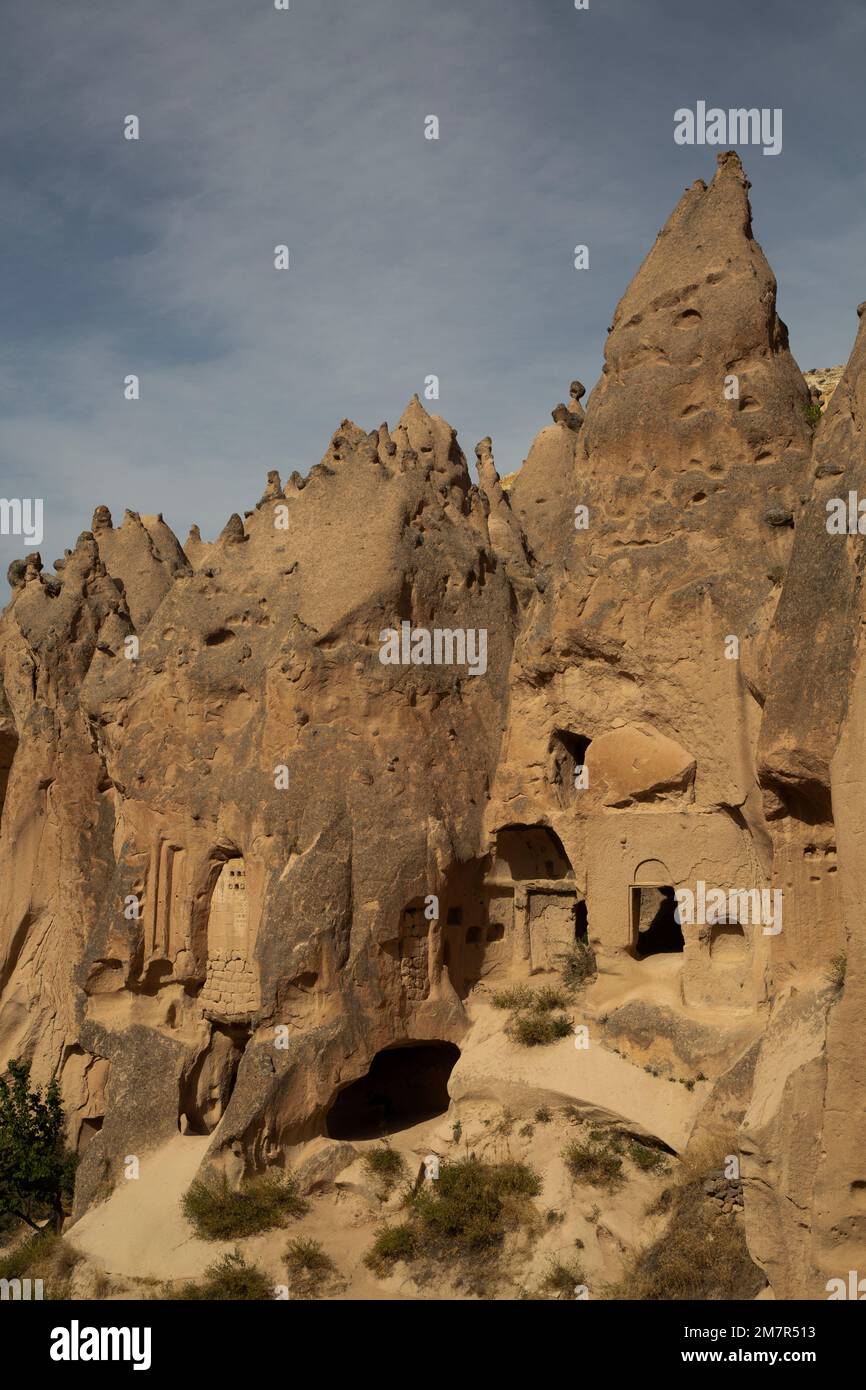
{"points": [[577, 965], [514, 1179], [543, 1115], [392, 1243], [44, 1256], [465, 1213], [644, 1156], [561, 1280], [386, 1166], [308, 1267], [469, 1206], [533, 1022], [550, 997], [517, 997], [218, 1212], [593, 1164], [520, 997], [21, 1260], [838, 969], [610, 1139], [538, 1029], [228, 1279]]}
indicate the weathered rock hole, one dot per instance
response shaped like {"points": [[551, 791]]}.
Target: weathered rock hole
{"points": [[569, 754], [405, 1085], [105, 976], [532, 852], [216, 639], [728, 943]]}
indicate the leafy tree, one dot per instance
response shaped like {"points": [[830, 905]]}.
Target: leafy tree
{"points": [[36, 1170]]}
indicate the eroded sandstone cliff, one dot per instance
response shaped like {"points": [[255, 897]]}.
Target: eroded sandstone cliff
{"points": [[246, 855]]}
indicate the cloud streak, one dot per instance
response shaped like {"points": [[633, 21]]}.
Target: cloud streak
{"points": [[409, 257]]}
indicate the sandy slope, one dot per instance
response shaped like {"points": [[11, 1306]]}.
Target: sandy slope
{"points": [[141, 1232]]}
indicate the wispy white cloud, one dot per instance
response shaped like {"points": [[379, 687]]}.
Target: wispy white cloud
{"points": [[409, 257]]}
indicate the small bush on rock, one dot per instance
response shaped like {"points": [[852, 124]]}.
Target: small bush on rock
{"points": [[218, 1212], [229, 1279]]}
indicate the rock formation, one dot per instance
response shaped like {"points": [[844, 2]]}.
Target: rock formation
{"points": [[277, 805]]}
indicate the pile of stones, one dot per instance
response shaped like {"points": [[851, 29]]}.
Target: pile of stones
{"points": [[726, 1192]]}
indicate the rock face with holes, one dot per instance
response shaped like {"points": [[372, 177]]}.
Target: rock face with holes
{"points": [[245, 797], [672, 509], [275, 805]]}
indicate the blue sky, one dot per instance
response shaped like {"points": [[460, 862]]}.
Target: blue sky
{"points": [[408, 257]]}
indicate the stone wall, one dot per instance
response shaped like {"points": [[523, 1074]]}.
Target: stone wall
{"points": [[231, 987]]}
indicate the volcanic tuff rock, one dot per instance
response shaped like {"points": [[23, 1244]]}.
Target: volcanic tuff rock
{"points": [[244, 858], [822, 382]]}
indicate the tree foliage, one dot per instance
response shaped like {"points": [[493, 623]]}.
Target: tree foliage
{"points": [[36, 1171]]}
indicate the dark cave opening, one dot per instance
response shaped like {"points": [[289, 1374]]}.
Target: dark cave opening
{"points": [[655, 929], [404, 1086], [581, 922], [575, 745], [569, 759]]}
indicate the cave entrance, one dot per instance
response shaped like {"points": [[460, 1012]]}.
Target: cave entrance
{"points": [[654, 926], [581, 922], [569, 763], [404, 1086], [526, 852]]}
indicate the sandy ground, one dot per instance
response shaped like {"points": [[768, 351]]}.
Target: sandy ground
{"points": [[141, 1232], [599, 1082], [498, 1090]]}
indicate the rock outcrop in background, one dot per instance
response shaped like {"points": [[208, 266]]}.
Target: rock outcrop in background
{"points": [[245, 857]]}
